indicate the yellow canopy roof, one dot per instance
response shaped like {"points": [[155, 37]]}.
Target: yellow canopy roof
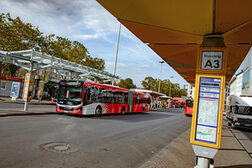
{"points": [[174, 29]]}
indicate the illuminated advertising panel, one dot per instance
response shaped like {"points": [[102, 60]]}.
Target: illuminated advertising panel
{"points": [[208, 109]]}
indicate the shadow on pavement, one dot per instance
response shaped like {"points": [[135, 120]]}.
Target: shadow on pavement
{"points": [[134, 117]]}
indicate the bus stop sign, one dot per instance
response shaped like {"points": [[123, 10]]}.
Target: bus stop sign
{"points": [[211, 60]]}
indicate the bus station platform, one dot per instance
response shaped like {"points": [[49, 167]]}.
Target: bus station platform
{"points": [[15, 108], [235, 152], [21, 101]]}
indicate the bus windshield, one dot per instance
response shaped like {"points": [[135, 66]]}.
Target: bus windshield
{"points": [[189, 103], [70, 93], [245, 110]]}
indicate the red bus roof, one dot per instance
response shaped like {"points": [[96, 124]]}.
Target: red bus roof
{"points": [[179, 99], [105, 86], [110, 87], [139, 93]]}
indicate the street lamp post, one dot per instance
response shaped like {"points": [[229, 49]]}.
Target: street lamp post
{"points": [[161, 62], [117, 46], [170, 86]]}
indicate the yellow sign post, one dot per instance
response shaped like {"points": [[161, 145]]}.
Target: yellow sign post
{"points": [[26, 86], [208, 102], [28, 89]]}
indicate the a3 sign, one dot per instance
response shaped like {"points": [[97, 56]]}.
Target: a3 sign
{"points": [[211, 60]]}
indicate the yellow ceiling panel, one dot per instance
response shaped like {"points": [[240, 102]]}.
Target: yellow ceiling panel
{"points": [[153, 34], [236, 54], [241, 34], [175, 28], [191, 16], [231, 13], [182, 58]]}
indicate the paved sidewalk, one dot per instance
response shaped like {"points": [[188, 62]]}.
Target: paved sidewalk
{"points": [[10, 108], [235, 152], [21, 101]]}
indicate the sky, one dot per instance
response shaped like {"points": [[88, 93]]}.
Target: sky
{"points": [[88, 22]]}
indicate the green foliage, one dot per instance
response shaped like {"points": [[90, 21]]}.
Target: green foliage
{"points": [[126, 83], [18, 35], [150, 83]]}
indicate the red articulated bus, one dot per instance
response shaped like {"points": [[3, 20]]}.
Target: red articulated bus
{"points": [[89, 98], [178, 102], [188, 107]]}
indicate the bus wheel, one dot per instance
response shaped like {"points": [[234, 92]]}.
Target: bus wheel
{"points": [[123, 110], [98, 111]]}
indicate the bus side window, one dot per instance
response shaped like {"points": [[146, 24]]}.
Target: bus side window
{"points": [[93, 94], [86, 95], [125, 97]]}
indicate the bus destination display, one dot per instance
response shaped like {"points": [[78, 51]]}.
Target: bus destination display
{"points": [[208, 108]]}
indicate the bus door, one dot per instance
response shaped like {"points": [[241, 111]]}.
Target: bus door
{"points": [[130, 101]]}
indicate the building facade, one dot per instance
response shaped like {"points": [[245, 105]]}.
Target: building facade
{"points": [[189, 89], [236, 84], [247, 75], [241, 83]]}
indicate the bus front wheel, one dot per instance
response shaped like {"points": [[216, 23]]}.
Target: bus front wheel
{"points": [[98, 111]]}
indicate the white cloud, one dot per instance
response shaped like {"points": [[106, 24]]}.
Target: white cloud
{"points": [[87, 36]]}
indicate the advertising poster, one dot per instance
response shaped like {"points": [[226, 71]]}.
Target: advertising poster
{"points": [[208, 109], [15, 89], [26, 85], [40, 88]]}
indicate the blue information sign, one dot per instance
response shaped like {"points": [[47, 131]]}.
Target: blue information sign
{"points": [[208, 109], [15, 89]]}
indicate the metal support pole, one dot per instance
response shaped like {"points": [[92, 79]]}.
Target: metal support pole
{"points": [[70, 75], [203, 163], [117, 46], [161, 62], [31, 68], [170, 87], [26, 105]]}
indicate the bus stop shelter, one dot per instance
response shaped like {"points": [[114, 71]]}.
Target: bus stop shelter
{"points": [[175, 29], [192, 36]]}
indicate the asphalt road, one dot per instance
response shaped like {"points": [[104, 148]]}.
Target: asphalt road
{"points": [[107, 142]]}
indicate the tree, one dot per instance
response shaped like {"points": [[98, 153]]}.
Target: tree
{"points": [[16, 35], [126, 83], [70, 50], [150, 83]]}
